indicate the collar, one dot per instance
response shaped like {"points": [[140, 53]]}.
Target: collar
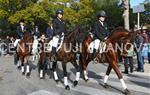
{"points": [[59, 19], [101, 22]]}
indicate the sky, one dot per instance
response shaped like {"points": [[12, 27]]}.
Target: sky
{"points": [[135, 2]]}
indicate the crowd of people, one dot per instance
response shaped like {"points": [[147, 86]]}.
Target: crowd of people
{"points": [[141, 50]]}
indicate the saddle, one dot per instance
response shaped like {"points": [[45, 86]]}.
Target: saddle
{"points": [[49, 48]]}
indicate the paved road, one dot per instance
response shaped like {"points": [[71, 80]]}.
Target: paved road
{"points": [[13, 83]]}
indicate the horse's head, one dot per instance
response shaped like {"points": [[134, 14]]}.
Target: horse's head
{"points": [[28, 37]]}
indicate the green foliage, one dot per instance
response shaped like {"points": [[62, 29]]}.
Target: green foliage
{"points": [[79, 13], [29, 14]]}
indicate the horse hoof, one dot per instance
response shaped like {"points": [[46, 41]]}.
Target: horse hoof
{"points": [[23, 73], [42, 77], [106, 85], [86, 80], [126, 92], [51, 69], [75, 83], [19, 67], [28, 75], [67, 87], [57, 81]]}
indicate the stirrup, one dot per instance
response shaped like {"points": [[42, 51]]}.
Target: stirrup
{"points": [[95, 61]]}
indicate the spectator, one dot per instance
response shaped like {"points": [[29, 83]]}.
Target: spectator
{"points": [[145, 36], [7, 45], [148, 47], [139, 40], [0, 47], [145, 48], [12, 40], [49, 30], [128, 58]]}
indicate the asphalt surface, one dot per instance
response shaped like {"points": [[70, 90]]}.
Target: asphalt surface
{"points": [[12, 82]]}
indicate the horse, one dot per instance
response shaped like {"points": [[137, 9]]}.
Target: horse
{"points": [[23, 52], [65, 55], [109, 55]]}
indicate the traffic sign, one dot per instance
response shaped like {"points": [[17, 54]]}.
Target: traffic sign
{"points": [[138, 9]]}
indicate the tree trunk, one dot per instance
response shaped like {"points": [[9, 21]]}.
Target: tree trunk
{"points": [[126, 14]]}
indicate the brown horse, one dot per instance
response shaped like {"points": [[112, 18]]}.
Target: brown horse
{"points": [[23, 52], [108, 56], [65, 54]]}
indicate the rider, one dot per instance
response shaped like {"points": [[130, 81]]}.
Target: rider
{"points": [[59, 28], [100, 31], [20, 31], [36, 32]]}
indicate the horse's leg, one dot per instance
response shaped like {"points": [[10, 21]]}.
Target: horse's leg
{"points": [[84, 66], [77, 73], [41, 68], [116, 69], [65, 76], [33, 57], [107, 75], [54, 65], [18, 61], [27, 67], [22, 65]]}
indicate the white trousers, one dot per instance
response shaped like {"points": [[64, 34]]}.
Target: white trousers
{"points": [[55, 41], [16, 42], [96, 44]]}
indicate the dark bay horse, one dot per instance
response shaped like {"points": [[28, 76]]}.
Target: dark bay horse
{"points": [[109, 56], [65, 54], [23, 52]]}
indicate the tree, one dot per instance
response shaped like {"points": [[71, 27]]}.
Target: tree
{"points": [[10, 7], [145, 16], [81, 13], [126, 14]]}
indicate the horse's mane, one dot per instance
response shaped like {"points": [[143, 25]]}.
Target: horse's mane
{"points": [[27, 36], [118, 29], [71, 35], [118, 33]]}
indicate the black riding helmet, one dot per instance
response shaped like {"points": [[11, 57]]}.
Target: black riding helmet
{"points": [[59, 11], [21, 20], [101, 13]]}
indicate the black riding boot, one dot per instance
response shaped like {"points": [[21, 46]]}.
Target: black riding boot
{"points": [[16, 56], [54, 54], [94, 56]]}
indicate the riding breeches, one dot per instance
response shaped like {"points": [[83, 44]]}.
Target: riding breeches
{"points": [[55, 41], [96, 44], [16, 42], [99, 45]]}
